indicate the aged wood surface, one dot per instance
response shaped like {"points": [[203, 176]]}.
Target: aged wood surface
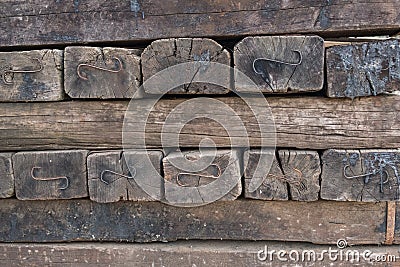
{"points": [[301, 122], [360, 175], [194, 253], [281, 64], [6, 175], [43, 22], [94, 72], [31, 75], [319, 222], [50, 175], [224, 162], [273, 187], [363, 69], [161, 54], [302, 169], [110, 180]]}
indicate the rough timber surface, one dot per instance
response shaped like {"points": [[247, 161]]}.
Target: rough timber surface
{"points": [[301, 122], [44, 22], [192, 253], [319, 222], [366, 69]]}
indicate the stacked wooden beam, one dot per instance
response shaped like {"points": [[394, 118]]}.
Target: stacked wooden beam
{"points": [[68, 172]]}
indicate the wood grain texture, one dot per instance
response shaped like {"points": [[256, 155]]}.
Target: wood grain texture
{"points": [[83, 220], [6, 175], [302, 170], [83, 81], [115, 187], [363, 69], [161, 54], [224, 162], [272, 187], [31, 75], [43, 22], [301, 122], [281, 64], [191, 253], [50, 175], [368, 188]]}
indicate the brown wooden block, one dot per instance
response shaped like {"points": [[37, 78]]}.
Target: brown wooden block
{"points": [[273, 187], [302, 170], [363, 69], [280, 64], [31, 75], [6, 176], [224, 163], [161, 54], [110, 180], [94, 72], [360, 175], [50, 174], [322, 222]]}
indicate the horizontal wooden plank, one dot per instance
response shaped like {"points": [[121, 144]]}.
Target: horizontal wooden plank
{"points": [[319, 222], [195, 253], [301, 122], [102, 21]]}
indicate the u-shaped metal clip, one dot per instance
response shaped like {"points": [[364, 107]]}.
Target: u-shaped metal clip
{"points": [[366, 175], [84, 65], [50, 178], [178, 176], [6, 72], [117, 174]]}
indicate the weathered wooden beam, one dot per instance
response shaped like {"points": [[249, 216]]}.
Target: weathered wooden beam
{"points": [[84, 220], [305, 123], [6, 175], [161, 54], [225, 165], [360, 175], [50, 175], [363, 69], [94, 72], [196, 253], [110, 179], [31, 75], [99, 21], [281, 64]]}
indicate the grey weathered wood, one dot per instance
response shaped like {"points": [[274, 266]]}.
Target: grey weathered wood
{"points": [[105, 21], [84, 220], [305, 123], [83, 81], [161, 54], [31, 75], [363, 69], [219, 166], [302, 171], [6, 176], [194, 253], [335, 186], [272, 187], [118, 187], [67, 168], [301, 66]]}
